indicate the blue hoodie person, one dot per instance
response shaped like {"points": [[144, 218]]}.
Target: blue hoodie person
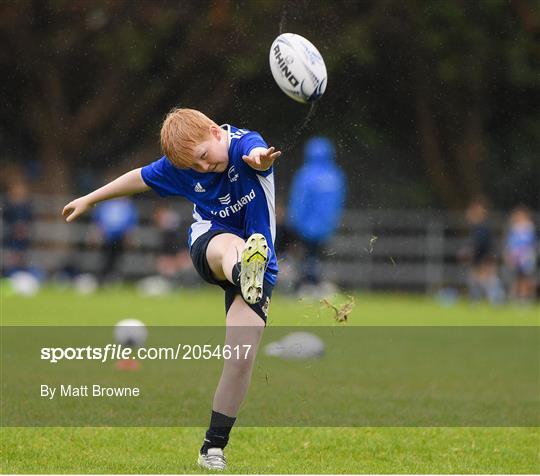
{"points": [[115, 219], [316, 202]]}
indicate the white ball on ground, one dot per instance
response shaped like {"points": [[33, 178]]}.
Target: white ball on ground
{"points": [[130, 333], [154, 286], [24, 283], [85, 283], [297, 345]]}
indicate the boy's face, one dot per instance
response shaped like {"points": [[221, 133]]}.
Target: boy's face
{"points": [[212, 155]]}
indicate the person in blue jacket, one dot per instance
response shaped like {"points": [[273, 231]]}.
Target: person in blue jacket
{"points": [[115, 219], [317, 198]]}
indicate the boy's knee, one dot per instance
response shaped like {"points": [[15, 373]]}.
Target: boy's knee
{"points": [[241, 366]]}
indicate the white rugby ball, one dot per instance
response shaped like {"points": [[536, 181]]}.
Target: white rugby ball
{"points": [[297, 345], [298, 68]]}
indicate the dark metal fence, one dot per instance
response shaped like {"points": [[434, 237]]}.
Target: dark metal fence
{"points": [[373, 249]]}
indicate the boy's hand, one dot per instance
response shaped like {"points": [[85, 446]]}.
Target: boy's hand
{"points": [[75, 208], [261, 159]]}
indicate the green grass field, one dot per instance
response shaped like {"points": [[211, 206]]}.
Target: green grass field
{"points": [[264, 450]]}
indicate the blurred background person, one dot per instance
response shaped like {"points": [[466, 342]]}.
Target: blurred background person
{"points": [[520, 254], [18, 215], [317, 198], [479, 255], [287, 251], [173, 261], [114, 220]]}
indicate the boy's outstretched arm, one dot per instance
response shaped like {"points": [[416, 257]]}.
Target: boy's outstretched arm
{"points": [[127, 184]]}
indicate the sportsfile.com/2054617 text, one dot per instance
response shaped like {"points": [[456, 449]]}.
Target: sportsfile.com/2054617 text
{"points": [[118, 352]]}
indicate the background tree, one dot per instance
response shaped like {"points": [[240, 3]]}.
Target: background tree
{"points": [[429, 103]]}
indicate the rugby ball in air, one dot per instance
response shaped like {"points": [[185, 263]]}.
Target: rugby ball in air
{"points": [[298, 68]]}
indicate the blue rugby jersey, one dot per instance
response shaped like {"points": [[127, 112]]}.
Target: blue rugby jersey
{"points": [[240, 200]]}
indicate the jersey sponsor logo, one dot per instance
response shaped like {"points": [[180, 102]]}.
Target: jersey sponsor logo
{"points": [[199, 188], [235, 207], [225, 200], [232, 174]]}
